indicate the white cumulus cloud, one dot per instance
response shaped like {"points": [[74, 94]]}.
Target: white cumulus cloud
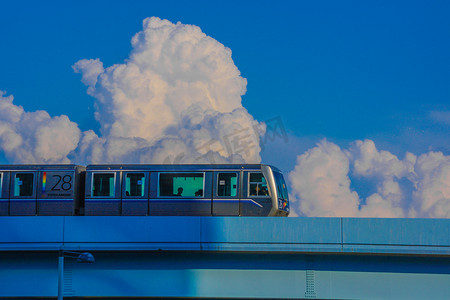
{"points": [[177, 97], [431, 196], [320, 185], [35, 137], [321, 182]]}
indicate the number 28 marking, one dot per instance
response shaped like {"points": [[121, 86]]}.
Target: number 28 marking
{"points": [[66, 183]]}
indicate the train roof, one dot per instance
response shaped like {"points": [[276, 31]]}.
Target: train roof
{"points": [[178, 167], [39, 167], [140, 167]]}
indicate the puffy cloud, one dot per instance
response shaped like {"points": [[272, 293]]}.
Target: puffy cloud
{"points": [[177, 97], [321, 182], [35, 137], [431, 197], [92, 68], [386, 170], [368, 161]]}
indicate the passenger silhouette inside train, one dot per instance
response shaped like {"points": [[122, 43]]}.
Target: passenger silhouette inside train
{"points": [[180, 191], [264, 191], [199, 193], [256, 190]]}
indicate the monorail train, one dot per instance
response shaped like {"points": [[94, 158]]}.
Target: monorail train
{"points": [[141, 190]]}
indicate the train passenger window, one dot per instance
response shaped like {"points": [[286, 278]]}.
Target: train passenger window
{"points": [[181, 184], [227, 184], [134, 184], [257, 185], [23, 184], [103, 184]]}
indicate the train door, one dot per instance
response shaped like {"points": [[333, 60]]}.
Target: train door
{"points": [[56, 193], [102, 194], [256, 200], [226, 193], [135, 193], [23, 200], [4, 194]]}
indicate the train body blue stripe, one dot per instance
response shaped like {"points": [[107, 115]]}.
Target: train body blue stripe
{"points": [[172, 200], [55, 200], [22, 200]]}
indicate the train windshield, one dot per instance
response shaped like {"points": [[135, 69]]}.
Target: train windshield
{"points": [[281, 186]]}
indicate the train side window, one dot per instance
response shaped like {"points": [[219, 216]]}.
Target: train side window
{"points": [[227, 184], [23, 184], [181, 184], [257, 185], [103, 184], [134, 184]]}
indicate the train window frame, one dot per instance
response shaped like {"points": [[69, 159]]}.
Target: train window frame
{"points": [[92, 184], [250, 182], [181, 196], [143, 184], [33, 187], [1, 184], [237, 185]]}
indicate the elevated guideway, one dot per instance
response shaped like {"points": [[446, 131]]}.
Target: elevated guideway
{"points": [[227, 257]]}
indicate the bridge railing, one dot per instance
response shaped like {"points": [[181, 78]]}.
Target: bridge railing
{"points": [[248, 234]]}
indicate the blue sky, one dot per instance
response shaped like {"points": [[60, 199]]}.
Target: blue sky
{"points": [[338, 70]]}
